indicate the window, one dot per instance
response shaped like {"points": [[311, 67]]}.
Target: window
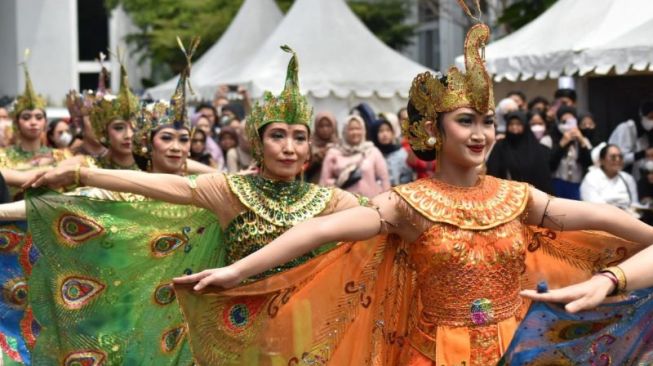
{"points": [[93, 29]]}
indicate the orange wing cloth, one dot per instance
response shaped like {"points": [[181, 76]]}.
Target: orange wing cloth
{"points": [[356, 305]]}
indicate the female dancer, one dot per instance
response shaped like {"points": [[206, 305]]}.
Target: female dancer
{"points": [[251, 210], [87, 271], [29, 152], [463, 236]]}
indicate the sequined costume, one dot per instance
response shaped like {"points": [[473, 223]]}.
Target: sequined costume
{"points": [[449, 298], [613, 334]]}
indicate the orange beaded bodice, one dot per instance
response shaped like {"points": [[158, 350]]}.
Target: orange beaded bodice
{"points": [[470, 255]]}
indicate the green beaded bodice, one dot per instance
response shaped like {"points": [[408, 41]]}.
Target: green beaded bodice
{"points": [[105, 162], [272, 208], [16, 158]]}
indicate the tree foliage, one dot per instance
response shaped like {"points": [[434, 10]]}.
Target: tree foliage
{"points": [[160, 21], [522, 12]]}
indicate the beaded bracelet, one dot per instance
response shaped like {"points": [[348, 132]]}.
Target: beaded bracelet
{"points": [[78, 174], [619, 274]]}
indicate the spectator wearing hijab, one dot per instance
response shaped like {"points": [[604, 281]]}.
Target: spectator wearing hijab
{"points": [[571, 154], [608, 183], [366, 113], [324, 137], [395, 156], [537, 123], [519, 156], [504, 107], [355, 164], [198, 149], [202, 122]]}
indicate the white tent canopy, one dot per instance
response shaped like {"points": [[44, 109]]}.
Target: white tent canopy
{"points": [[576, 36], [341, 63], [255, 20]]}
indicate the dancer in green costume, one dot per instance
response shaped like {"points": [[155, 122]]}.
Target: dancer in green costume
{"points": [[28, 152], [101, 290], [251, 210]]}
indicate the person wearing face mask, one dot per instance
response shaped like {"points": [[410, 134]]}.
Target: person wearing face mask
{"points": [[571, 154], [587, 126], [634, 136], [58, 134], [250, 210], [537, 123], [519, 156]]}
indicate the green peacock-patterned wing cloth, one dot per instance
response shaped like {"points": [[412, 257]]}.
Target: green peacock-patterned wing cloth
{"points": [[101, 290]]}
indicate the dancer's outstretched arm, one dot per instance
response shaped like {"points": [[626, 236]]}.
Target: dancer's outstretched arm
{"points": [[566, 215], [587, 295], [356, 223], [165, 187]]}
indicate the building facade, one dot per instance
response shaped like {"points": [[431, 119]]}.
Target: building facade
{"points": [[64, 38]]}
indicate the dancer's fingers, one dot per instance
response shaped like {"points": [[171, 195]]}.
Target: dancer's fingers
{"points": [[195, 277]]}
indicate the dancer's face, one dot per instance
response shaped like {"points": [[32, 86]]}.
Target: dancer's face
{"points": [[170, 148], [120, 135], [31, 123], [468, 137], [285, 150]]}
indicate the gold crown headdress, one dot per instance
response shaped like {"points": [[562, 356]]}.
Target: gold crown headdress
{"points": [[80, 105], [290, 107], [29, 99], [432, 95], [162, 113], [107, 107]]}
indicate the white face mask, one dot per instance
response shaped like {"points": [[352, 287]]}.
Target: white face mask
{"points": [[648, 165], [65, 139], [538, 131], [647, 123]]}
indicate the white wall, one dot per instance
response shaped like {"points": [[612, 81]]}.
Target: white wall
{"points": [[120, 25], [49, 29], [8, 48]]}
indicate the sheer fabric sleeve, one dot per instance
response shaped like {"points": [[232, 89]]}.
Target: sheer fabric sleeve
{"points": [[342, 200]]}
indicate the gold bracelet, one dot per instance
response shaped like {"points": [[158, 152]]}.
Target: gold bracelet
{"points": [[192, 184], [619, 274], [78, 174]]}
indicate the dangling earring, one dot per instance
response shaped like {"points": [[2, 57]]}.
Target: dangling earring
{"points": [[431, 141], [185, 168], [149, 166], [301, 175]]}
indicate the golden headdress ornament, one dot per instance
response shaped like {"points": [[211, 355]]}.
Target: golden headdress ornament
{"points": [[107, 107], [29, 99], [431, 94], [80, 105], [163, 113], [289, 107]]}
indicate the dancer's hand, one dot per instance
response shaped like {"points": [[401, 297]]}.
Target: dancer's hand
{"points": [[224, 277], [61, 176], [582, 296]]}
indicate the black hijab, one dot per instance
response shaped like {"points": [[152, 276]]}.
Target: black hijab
{"points": [[521, 157], [385, 148]]}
